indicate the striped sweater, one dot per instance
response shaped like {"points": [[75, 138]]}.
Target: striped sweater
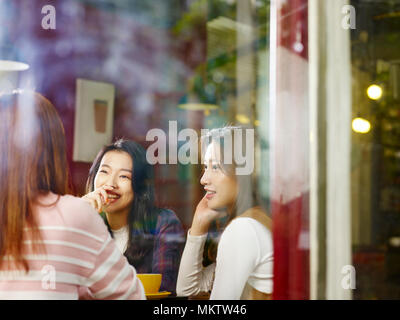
{"points": [[79, 253]]}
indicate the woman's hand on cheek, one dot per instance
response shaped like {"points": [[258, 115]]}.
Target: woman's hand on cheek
{"points": [[203, 218]]}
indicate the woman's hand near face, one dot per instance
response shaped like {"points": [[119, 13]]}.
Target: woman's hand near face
{"points": [[98, 198], [203, 218]]}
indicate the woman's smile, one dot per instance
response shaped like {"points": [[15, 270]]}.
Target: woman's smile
{"points": [[115, 171], [210, 194], [113, 195], [221, 188]]}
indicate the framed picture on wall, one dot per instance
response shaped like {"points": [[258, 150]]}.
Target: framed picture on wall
{"points": [[94, 116]]}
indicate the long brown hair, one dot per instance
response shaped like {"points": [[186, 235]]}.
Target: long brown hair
{"points": [[32, 162], [235, 140]]}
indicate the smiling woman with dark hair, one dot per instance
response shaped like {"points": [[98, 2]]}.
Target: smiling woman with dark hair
{"points": [[120, 187]]}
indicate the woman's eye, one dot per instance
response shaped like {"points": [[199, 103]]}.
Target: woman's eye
{"points": [[103, 171], [124, 177]]}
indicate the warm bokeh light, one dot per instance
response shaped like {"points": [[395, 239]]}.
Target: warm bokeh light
{"points": [[242, 118], [374, 92], [194, 106], [361, 125]]}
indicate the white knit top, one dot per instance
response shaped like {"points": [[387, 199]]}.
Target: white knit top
{"points": [[244, 260]]}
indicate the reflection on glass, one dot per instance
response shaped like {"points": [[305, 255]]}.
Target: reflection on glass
{"points": [[200, 63], [376, 155]]}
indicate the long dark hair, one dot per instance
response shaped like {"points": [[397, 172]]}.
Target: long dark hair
{"points": [[143, 214], [32, 162]]}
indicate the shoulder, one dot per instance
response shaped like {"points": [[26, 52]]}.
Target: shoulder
{"points": [[76, 209], [76, 213], [238, 239], [169, 225], [243, 230], [72, 202], [258, 215], [238, 227], [246, 224], [167, 217], [67, 205], [246, 237]]}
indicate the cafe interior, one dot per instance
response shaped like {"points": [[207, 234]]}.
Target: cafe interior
{"points": [[319, 81]]}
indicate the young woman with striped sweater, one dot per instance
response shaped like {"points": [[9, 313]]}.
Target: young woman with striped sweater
{"points": [[51, 244]]}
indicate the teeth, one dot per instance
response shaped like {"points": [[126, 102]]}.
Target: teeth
{"points": [[113, 196]]}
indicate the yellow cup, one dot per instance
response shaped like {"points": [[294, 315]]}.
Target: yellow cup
{"points": [[151, 282]]}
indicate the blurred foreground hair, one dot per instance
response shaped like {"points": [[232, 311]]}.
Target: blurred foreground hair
{"points": [[32, 162]]}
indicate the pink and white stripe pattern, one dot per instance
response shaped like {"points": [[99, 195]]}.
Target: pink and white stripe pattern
{"points": [[80, 256]]}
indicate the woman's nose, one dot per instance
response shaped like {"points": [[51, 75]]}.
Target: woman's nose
{"points": [[112, 181], [204, 180]]}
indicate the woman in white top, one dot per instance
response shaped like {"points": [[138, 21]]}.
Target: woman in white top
{"points": [[243, 267]]}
